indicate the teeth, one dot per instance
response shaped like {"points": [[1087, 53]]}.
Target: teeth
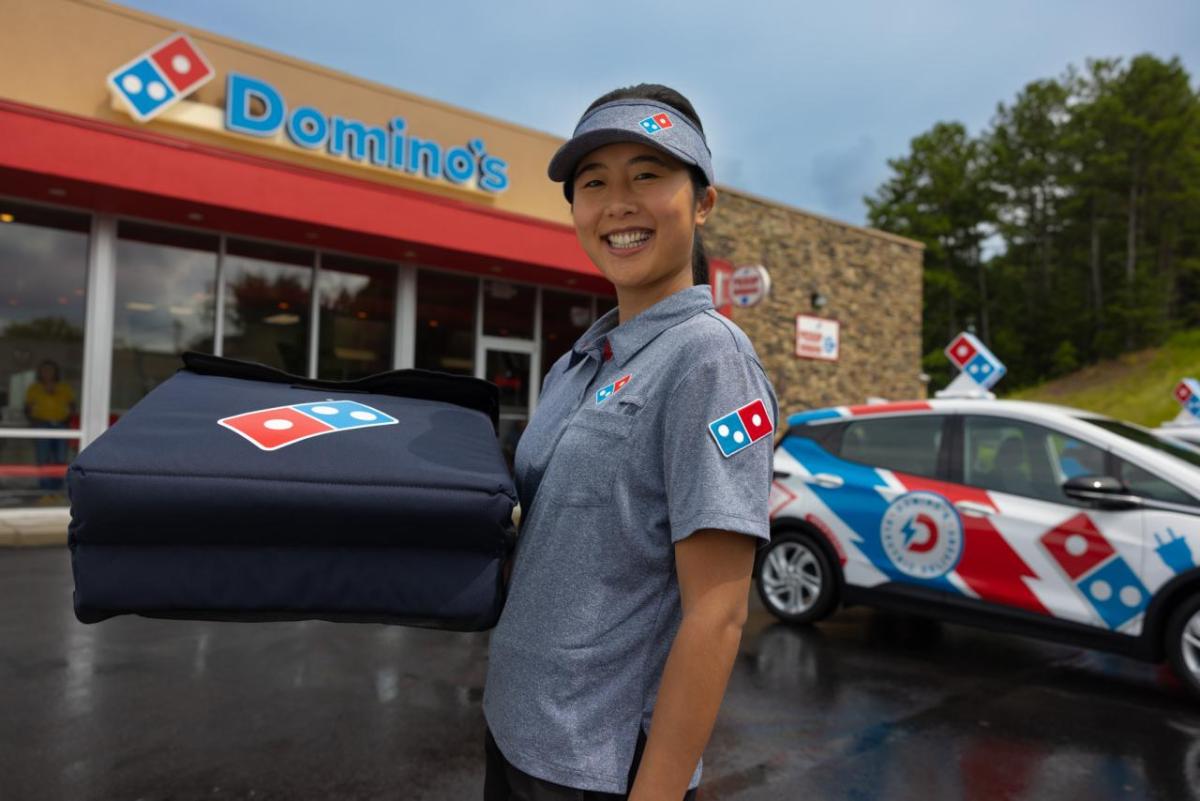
{"points": [[628, 239]]}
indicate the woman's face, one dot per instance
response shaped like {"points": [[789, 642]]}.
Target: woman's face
{"points": [[635, 214]]}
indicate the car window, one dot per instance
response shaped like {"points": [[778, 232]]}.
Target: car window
{"points": [[907, 444], [1024, 459], [1141, 436], [1147, 485]]}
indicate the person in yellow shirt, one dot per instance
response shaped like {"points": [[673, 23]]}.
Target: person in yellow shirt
{"points": [[49, 403]]}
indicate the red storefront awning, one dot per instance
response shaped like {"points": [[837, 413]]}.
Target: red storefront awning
{"points": [[109, 168]]}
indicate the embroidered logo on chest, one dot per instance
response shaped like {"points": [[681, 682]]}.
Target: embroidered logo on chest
{"points": [[605, 392], [741, 428]]}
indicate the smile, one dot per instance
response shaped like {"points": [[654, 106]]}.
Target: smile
{"points": [[628, 240]]}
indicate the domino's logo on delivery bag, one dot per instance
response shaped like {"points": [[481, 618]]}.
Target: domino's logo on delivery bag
{"points": [[161, 77]]}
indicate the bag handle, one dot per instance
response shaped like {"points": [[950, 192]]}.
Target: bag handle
{"points": [[471, 393]]}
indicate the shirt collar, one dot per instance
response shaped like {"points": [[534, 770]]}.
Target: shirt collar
{"points": [[631, 336]]}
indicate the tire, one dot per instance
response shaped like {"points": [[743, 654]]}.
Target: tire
{"points": [[805, 593], [1183, 643]]}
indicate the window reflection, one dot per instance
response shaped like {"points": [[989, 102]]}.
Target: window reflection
{"points": [[43, 264], [508, 309], [358, 301], [565, 317], [165, 305], [446, 322], [32, 471], [267, 300]]}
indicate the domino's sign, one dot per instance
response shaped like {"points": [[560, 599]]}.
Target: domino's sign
{"points": [[975, 361], [167, 73], [1187, 392], [161, 77]]}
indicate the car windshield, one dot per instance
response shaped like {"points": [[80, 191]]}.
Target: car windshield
{"points": [[1141, 436]]}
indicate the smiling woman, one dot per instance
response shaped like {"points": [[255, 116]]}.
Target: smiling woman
{"points": [[643, 475]]}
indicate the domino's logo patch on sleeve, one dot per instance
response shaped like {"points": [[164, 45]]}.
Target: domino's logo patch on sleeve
{"points": [[741, 428]]}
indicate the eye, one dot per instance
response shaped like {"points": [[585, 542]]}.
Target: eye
{"points": [[642, 175], [589, 184]]}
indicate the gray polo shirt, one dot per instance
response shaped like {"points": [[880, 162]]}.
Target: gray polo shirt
{"points": [[611, 475]]}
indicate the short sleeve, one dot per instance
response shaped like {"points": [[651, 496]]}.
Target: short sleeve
{"points": [[715, 480]]}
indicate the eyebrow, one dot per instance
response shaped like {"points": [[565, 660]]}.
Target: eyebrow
{"points": [[645, 157]]}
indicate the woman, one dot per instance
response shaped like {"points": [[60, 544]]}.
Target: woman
{"points": [[643, 478], [49, 403]]}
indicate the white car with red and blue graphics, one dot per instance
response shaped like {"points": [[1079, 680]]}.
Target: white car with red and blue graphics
{"points": [[1023, 517]]}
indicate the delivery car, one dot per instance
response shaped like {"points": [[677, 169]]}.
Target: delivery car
{"points": [[1022, 517]]}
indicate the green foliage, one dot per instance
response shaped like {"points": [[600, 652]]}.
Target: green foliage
{"points": [[1084, 192], [1135, 386]]}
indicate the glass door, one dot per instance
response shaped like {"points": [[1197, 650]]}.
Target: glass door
{"points": [[510, 371]]}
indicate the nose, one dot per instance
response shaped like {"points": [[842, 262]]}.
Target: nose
{"points": [[620, 203]]}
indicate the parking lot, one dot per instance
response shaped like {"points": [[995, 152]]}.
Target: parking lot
{"points": [[864, 706]]}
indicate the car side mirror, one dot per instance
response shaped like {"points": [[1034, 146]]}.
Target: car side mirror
{"points": [[1105, 492]]}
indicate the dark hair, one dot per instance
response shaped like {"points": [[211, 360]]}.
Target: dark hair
{"points": [[53, 365], [665, 94]]}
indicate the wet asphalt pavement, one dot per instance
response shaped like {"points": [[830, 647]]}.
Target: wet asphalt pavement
{"points": [[865, 706]]}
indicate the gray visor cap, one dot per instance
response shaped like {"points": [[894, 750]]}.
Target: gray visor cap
{"points": [[633, 121]]}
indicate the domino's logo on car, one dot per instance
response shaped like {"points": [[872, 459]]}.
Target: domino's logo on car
{"points": [[160, 77]]}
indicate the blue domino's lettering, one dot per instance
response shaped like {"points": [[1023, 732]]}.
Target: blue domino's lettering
{"points": [[255, 108], [424, 158], [240, 117], [858, 503], [356, 138], [307, 127], [460, 165]]}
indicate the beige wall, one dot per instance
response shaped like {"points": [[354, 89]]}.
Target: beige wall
{"points": [[871, 279], [58, 53]]}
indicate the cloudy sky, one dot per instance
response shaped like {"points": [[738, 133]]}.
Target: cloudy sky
{"points": [[802, 102]]}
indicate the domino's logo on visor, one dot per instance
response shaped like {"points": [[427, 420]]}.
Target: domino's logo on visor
{"points": [[656, 123]]}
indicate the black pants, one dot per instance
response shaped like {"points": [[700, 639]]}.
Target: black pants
{"points": [[503, 782]]}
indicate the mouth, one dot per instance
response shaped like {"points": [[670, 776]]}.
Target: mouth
{"points": [[629, 240]]}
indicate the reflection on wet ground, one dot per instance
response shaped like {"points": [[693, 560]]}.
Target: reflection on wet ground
{"points": [[865, 706]]}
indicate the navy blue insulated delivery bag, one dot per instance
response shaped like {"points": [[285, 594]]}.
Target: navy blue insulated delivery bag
{"points": [[234, 491]]}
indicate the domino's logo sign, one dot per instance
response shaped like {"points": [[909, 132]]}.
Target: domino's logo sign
{"points": [[922, 534], [280, 426], [1187, 392], [160, 77], [975, 361]]}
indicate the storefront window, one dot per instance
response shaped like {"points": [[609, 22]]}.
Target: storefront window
{"points": [[508, 309], [267, 299], [33, 471], [446, 322], [165, 304], [43, 269], [603, 305], [358, 303], [564, 318]]}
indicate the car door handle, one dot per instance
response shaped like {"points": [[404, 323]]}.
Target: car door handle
{"points": [[974, 509], [826, 480]]}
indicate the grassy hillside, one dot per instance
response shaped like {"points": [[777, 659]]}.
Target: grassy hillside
{"points": [[1135, 387]]}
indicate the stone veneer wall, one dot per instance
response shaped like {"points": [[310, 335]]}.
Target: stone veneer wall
{"points": [[872, 281]]}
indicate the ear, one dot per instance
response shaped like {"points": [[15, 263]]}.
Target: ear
{"points": [[705, 205]]}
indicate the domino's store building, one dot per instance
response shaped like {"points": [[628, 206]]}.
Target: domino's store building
{"points": [[165, 189]]}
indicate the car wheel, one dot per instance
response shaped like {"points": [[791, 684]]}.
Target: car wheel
{"points": [[796, 580], [1183, 642]]}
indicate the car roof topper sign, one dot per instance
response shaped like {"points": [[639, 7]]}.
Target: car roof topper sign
{"points": [[980, 369]]}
